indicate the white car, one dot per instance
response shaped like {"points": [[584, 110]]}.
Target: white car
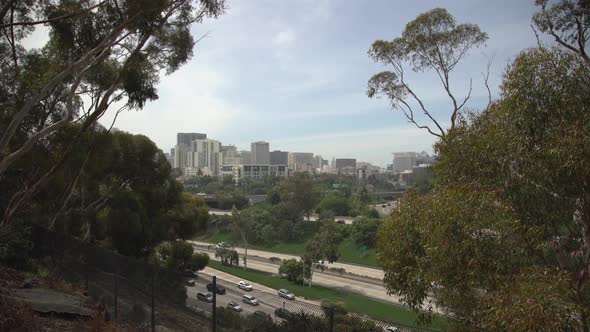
{"points": [[286, 294], [250, 299], [244, 285]]}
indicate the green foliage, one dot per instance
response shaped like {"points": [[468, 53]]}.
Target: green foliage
{"points": [[188, 216], [15, 244], [180, 256], [292, 269], [336, 203], [364, 231], [499, 240]]}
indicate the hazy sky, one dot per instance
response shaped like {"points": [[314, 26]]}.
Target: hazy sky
{"points": [[294, 73]]}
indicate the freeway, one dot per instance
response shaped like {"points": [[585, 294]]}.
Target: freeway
{"points": [[268, 298], [313, 217], [360, 270]]}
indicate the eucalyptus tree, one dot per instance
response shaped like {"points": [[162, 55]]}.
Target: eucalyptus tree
{"points": [[432, 41], [99, 55]]}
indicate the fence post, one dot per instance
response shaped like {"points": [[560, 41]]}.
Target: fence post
{"points": [[331, 319], [153, 320], [214, 323], [116, 293]]}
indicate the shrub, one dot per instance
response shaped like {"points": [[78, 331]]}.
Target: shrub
{"points": [[15, 244]]}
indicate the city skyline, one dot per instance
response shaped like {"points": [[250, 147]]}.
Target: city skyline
{"points": [[301, 83]]}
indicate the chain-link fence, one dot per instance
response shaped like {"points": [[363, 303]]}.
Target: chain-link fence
{"points": [[156, 298]]}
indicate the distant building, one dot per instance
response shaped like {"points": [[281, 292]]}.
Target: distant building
{"points": [[186, 139], [260, 153], [403, 161], [206, 155], [245, 157], [345, 162], [301, 161], [278, 157], [254, 172], [229, 155]]}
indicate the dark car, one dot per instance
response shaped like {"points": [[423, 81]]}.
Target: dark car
{"points": [[189, 283], [220, 289], [262, 314], [207, 297], [283, 313], [340, 221]]}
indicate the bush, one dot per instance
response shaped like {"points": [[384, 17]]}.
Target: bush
{"points": [[15, 244], [293, 270]]}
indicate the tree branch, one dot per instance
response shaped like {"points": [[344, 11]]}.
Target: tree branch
{"points": [[59, 18]]}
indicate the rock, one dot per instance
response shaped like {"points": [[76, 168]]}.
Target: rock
{"points": [[49, 300]]}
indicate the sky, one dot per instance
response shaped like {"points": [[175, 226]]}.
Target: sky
{"points": [[294, 73]]}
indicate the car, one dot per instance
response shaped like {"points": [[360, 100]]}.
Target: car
{"points": [[321, 262], [250, 300], [285, 293], [391, 329], [340, 221], [383, 205], [234, 306], [220, 289], [262, 314], [223, 245], [283, 313], [206, 297], [190, 283], [244, 285]]}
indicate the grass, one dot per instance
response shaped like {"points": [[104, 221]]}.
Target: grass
{"points": [[352, 302], [348, 251]]}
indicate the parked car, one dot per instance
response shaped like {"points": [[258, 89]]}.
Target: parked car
{"points": [[391, 329], [383, 205], [286, 294], [262, 314], [244, 285], [190, 283], [340, 221], [220, 289], [283, 313], [234, 306], [207, 297], [250, 300]]}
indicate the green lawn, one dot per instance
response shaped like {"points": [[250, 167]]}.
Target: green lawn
{"points": [[348, 251], [352, 302]]}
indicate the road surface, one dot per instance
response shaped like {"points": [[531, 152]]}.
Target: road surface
{"points": [[375, 273], [268, 298], [313, 217]]}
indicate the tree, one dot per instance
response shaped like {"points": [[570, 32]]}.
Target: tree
{"points": [[227, 256], [364, 231], [241, 225], [293, 270], [335, 203], [180, 256], [432, 41], [502, 241], [98, 53], [322, 246], [188, 217], [568, 22]]}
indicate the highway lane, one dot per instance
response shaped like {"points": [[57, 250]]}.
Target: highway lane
{"points": [[267, 297], [313, 217], [360, 270], [341, 283]]}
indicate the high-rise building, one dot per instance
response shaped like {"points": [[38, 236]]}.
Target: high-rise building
{"points": [[301, 161], [230, 155], [260, 154], [345, 162], [245, 157], [186, 139], [206, 156], [181, 156], [403, 161], [278, 157]]}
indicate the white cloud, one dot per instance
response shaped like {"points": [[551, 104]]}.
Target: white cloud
{"points": [[284, 37]]}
